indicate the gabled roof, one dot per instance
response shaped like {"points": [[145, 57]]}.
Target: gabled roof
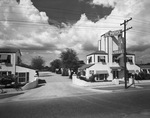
{"points": [[85, 66], [9, 50], [26, 66], [98, 52]]}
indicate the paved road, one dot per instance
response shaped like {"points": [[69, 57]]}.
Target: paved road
{"points": [[107, 105], [60, 99], [56, 86]]}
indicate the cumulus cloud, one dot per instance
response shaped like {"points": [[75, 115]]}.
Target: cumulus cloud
{"points": [[105, 3], [25, 27]]}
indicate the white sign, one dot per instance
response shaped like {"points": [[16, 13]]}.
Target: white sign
{"points": [[113, 33]]}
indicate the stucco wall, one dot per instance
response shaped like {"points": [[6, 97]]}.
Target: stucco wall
{"points": [[32, 72], [99, 67]]}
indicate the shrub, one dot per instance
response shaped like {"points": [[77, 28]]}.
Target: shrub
{"points": [[83, 78], [91, 78], [142, 76], [6, 80]]}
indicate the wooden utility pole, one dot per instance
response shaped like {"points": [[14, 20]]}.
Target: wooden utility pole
{"points": [[124, 50]]}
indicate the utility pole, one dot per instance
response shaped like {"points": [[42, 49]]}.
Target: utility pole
{"points": [[124, 50]]}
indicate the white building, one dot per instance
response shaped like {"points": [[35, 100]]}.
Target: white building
{"points": [[107, 62], [9, 64]]}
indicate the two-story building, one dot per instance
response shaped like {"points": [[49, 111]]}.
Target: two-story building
{"points": [[10, 60], [107, 63]]}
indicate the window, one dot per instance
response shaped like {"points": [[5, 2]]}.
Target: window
{"points": [[129, 59], [4, 73], [101, 59], [101, 77], [91, 71], [9, 72], [90, 59], [3, 58], [145, 71], [9, 59], [115, 59], [23, 77], [115, 74]]}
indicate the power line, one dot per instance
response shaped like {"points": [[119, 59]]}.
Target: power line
{"points": [[69, 11], [76, 12], [35, 24]]}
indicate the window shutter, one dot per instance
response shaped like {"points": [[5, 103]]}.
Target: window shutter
{"points": [[27, 76]]}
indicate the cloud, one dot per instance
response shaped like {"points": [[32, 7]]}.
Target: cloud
{"points": [[139, 48], [24, 26], [105, 3]]}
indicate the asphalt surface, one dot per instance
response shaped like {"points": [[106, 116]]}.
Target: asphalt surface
{"points": [[105, 105], [59, 98]]}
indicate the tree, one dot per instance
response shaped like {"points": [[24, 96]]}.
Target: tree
{"points": [[55, 64], [69, 59], [37, 63]]}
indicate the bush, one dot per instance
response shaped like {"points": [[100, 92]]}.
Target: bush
{"points": [[83, 78], [6, 80], [142, 76], [92, 78]]}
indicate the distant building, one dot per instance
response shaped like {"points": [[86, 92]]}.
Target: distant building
{"points": [[145, 68], [10, 60], [107, 62]]}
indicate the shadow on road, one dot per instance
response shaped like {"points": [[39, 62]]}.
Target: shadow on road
{"points": [[45, 75], [6, 95], [40, 85]]}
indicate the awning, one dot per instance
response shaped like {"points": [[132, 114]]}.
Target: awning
{"points": [[3, 57], [101, 72], [133, 68], [85, 66], [131, 71]]}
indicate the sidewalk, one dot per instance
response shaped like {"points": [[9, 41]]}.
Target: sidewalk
{"points": [[121, 87]]}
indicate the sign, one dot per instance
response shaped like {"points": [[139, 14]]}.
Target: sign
{"points": [[113, 33], [117, 51]]}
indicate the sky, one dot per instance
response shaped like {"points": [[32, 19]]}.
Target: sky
{"points": [[47, 27]]}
